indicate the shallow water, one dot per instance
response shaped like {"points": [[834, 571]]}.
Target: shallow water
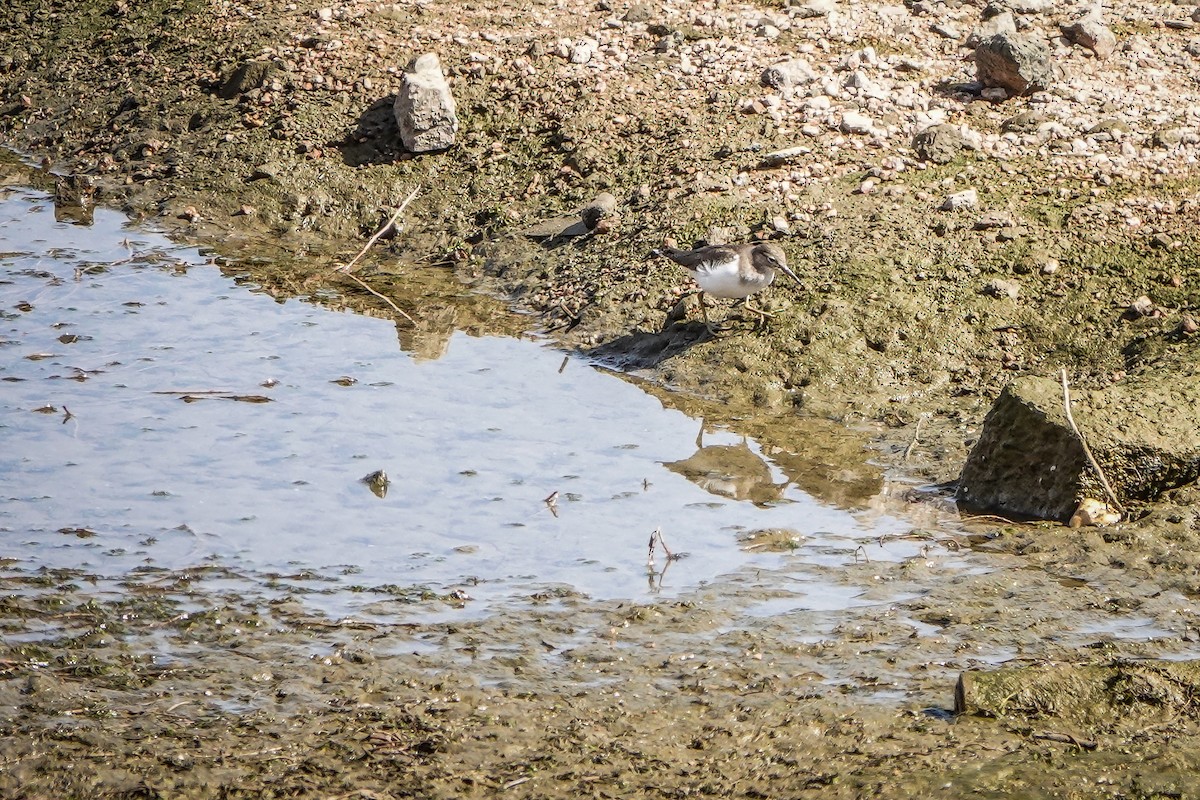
{"points": [[156, 414]]}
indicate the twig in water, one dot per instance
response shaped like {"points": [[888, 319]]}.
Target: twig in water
{"points": [[916, 435], [382, 297], [371, 242], [658, 537], [1087, 451]]}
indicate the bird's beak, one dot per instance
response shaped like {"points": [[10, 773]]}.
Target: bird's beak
{"points": [[790, 274]]}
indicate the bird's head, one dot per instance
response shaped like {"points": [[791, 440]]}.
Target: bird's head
{"points": [[773, 255]]}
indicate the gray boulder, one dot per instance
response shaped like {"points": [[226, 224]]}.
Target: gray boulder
{"points": [[1144, 432], [1016, 63], [939, 144], [425, 107]]}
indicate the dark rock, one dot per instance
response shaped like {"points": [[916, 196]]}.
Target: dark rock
{"points": [[1019, 64], [940, 144], [639, 12], [1145, 433], [250, 75]]}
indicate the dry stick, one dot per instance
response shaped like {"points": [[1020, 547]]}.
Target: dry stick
{"points": [[391, 221], [345, 270], [1087, 451], [382, 297], [916, 436]]}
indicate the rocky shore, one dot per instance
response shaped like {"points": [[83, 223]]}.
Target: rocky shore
{"points": [[969, 193]]}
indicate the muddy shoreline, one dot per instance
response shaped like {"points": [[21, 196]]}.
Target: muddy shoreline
{"points": [[159, 686]]}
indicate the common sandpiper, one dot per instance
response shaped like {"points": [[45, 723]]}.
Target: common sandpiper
{"points": [[732, 271]]}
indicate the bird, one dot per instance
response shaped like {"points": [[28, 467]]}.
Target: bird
{"points": [[731, 271]]}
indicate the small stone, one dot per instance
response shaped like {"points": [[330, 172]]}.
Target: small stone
{"points": [[1141, 307], [582, 53], [857, 80], [939, 144], [1169, 137], [994, 94], [996, 20], [946, 29], [787, 74], [811, 9], [1025, 122], [1162, 240], [1001, 288], [639, 12], [778, 157], [853, 122], [961, 200], [1188, 324], [1050, 266], [1091, 33], [994, 219], [601, 208]]}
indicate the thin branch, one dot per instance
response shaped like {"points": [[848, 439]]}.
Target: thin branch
{"points": [[386, 226], [1087, 451], [908, 451], [382, 297]]}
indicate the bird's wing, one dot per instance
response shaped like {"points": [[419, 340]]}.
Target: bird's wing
{"points": [[694, 258]]}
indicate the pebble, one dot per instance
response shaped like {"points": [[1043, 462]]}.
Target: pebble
{"points": [[961, 200], [853, 122], [1001, 288]]}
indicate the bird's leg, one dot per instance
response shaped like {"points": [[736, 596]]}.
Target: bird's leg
{"points": [[762, 316], [712, 328]]}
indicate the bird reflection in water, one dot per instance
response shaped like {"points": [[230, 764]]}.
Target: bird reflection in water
{"points": [[733, 471]]}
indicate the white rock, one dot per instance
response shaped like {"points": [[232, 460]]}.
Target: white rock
{"points": [[786, 74], [961, 201], [853, 122], [424, 107], [581, 53]]}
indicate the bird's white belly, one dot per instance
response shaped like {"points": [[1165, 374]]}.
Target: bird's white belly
{"points": [[721, 279]]}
